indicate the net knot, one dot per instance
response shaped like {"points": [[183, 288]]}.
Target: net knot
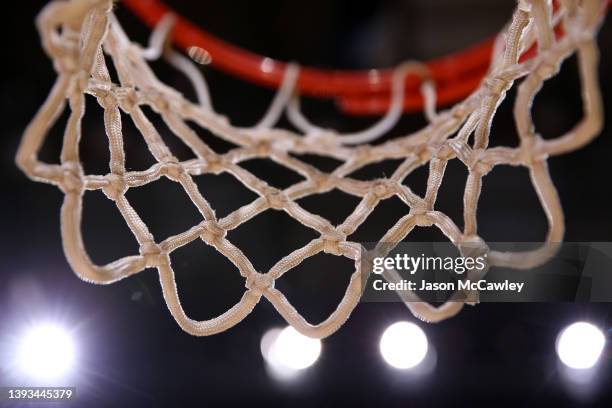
{"points": [[173, 170], [215, 164], [127, 98], [276, 199], [159, 101], [497, 85], [72, 177], [108, 99], [362, 152], [384, 188], [262, 148], [331, 242], [116, 186], [323, 182], [478, 164], [528, 152], [445, 152], [321, 137], [153, 255], [423, 155], [259, 282], [421, 215], [283, 145], [212, 232]]}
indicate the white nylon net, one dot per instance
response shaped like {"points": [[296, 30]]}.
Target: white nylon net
{"points": [[76, 34]]}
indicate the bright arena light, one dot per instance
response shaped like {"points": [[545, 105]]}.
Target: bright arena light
{"points": [[403, 345], [46, 352], [580, 345], [287, 351]]}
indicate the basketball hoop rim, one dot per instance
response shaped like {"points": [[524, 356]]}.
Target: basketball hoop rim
{"points": [[359, 92]]}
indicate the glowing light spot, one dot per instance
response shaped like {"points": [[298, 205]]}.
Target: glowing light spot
{"points": [[403, 345], [580, 345], [287, 351], [46, 352]]}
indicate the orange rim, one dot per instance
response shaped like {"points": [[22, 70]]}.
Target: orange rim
{"points": [[360, 92]]}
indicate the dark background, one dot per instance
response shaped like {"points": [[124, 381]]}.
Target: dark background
{"points": [[131, 351]]}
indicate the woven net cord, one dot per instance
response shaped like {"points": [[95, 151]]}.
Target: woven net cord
{"points": [[77, 34]]}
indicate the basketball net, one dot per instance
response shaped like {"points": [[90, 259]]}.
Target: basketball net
{"points": [[78, 34]]}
